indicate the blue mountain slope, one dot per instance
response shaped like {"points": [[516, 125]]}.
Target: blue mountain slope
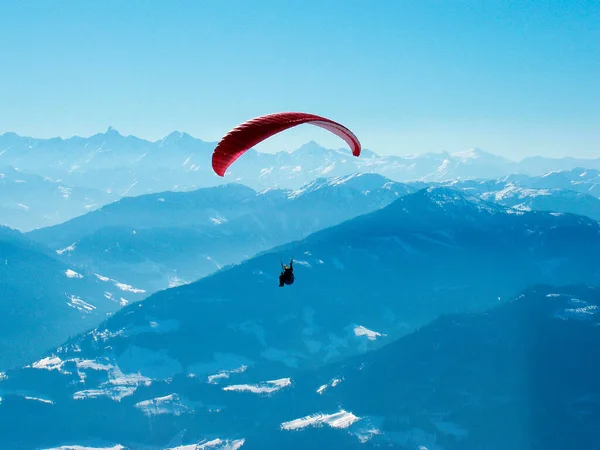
{"points": [[389, 271], [519, 375], [43, 301], [153, 210], [358, 285], [163, 239]]}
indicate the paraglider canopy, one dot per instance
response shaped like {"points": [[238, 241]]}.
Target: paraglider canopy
{"points": [[248, 134]]}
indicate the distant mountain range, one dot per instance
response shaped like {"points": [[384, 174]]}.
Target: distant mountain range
{"points": [[576, 191], [170, 238], [582, 180], [126, 165], [48, 181], [161, 240], [186, 363], [29, 201], [44, 301]]}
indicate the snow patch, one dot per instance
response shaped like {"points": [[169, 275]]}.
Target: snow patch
{"points": [[128, 288], [266, 387], [522, 207], [219, 363], [328, 169], [366, 434], [214, 262], [79, 447], [521, 193], [49, 363], [176, 281], [106, 334], [122, 286], [169, 404], [332, 383], [68, 249], [581, 310], [80, 305], [215, 444], [118, 386], [341, 419], [223, 374], [41, 400], [467, 155], [92, 364], [371, 335], [130, 187], [65, 192], [582, 313], [218, 220], [302, 263]]}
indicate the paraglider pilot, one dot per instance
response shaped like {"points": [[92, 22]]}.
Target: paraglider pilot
{"points": [[287, 275]]}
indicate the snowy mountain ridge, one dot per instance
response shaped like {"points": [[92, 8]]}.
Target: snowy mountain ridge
{"points": [[126, 165]]}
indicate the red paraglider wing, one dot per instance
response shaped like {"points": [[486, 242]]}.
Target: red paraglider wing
{"points": [[247, 135]]}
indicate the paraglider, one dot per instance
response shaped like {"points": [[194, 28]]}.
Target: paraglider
{"points": [[248, 134], [287, 274]]}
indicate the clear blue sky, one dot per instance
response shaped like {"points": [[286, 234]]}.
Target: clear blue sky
{"points": [[512, 77]]}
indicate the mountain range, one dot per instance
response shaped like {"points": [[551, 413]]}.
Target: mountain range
{"points": [[49, 181], [127, 165], [29, 201], [156, 241], [170, 238], [519, 376], [442, 301], [214, 359], [576, 191]]}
